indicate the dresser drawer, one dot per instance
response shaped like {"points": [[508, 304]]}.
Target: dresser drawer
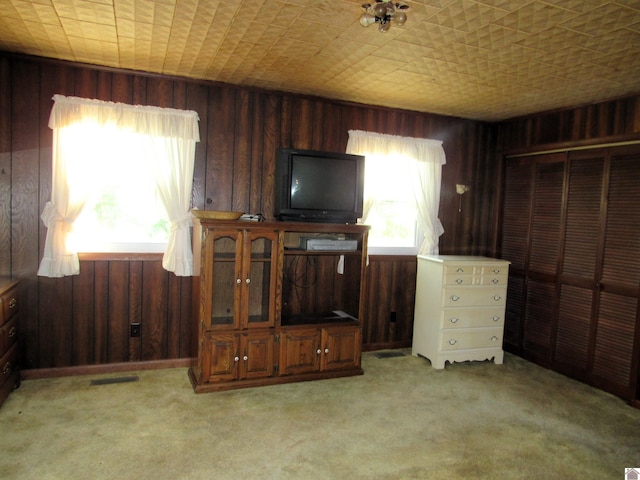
{"points": [[474, 296], [466, 280], [471, 338], [8, 334], [471, 317], [453, 270], [8, 304], [9, 364]]}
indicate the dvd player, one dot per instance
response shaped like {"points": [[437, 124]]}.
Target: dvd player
{"points": [[328, 244]]}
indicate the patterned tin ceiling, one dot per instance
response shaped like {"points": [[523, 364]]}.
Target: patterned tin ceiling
{"points": [[479, 59]]}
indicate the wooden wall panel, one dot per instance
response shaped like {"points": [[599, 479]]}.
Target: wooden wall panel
{"points": [[588, 124], [5, 166], [240, 130]]}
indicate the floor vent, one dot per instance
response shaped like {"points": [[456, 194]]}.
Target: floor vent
{"points": [[390, 354], [109, 381]]}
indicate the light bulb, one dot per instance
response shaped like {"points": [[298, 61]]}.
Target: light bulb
{"points": [[367, 19], [400, 18], [384, 27], [380, 10]]}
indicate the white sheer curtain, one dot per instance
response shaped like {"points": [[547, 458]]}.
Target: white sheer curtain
{"points": [[169, 138], [427, 157]]}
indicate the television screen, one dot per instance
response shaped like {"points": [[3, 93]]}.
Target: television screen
{"points": [[335, 191], [315, 186]]}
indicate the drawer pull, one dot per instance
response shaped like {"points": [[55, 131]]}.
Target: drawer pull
{"points": [[495, 281], [497, 297], [494, 339], [495, 318], [454, 320], [13, 302], [7, 369], [460, 270], [459, 281], [452, 341], [496, 270], [455, 298], [13, 332]]}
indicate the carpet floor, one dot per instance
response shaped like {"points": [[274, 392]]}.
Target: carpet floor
{"points": [[402, 419]]}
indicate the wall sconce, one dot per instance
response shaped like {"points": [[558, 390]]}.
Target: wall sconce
{"points": [[460, 190]]}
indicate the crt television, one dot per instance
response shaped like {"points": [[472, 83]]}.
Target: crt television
{"points": [[315, 186]]}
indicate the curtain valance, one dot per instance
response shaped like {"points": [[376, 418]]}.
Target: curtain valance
{"points": [[421, 149], [156, 121]]}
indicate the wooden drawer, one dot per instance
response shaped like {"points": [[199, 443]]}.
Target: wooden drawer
{"points": [[9, 364], [471, 338], [8, 334], [466, 280], [474, 296], [471, 317], [8, 304], [453, 270]]}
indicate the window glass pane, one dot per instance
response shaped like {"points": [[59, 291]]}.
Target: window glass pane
{"points": [[392, 213], [123, 212]]}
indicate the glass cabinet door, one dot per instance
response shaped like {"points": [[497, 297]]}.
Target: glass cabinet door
{"points": [[243, 279], [225, 284], [260, 280]]}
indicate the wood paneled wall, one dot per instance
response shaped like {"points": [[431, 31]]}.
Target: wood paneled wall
{"points": [[598, 123], [84, 320]]}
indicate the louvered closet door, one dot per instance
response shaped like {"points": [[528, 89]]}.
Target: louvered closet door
{"points": [[518, 185], [580, 260], [616, 349], [544, 249]]}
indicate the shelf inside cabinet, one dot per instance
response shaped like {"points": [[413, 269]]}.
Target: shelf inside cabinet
{"points": [[316, 318]]}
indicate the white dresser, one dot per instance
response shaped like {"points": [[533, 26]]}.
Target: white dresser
{"points": [[459, 310]]}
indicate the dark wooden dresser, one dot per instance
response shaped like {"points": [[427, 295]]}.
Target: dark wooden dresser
{"points": [[9, 357]]}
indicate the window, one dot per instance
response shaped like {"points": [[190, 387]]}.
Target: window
{"points": [[390, 207], [122, 178], [402, 191], [123, 212]]}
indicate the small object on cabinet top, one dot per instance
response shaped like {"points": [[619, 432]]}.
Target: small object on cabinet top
{"points": [[216, 215]]}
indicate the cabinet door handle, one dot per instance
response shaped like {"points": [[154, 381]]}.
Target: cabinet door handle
{"points": [[326, 350], [13, 302], [245, 358], [247, 281], [455, 298], [236, 358], [452, 341], [238, 281], [6, 370], [318, 351], [453, 320]]}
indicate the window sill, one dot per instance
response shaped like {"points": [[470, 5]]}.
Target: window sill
{"points": [[119, 256]]}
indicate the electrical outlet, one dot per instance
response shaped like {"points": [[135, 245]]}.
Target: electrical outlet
{"points": [[134, 330]]}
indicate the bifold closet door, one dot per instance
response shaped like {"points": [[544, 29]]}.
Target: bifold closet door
{"points": [[573, 237], [531, 240]]}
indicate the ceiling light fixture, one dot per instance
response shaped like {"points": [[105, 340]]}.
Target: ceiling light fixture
{"points": [[383, 12]]}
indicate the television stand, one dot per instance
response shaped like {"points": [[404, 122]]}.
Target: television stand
{"points": [[267, 311]]}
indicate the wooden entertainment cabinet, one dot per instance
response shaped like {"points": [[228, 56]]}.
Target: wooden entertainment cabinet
{"points": [[269, 311]]}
